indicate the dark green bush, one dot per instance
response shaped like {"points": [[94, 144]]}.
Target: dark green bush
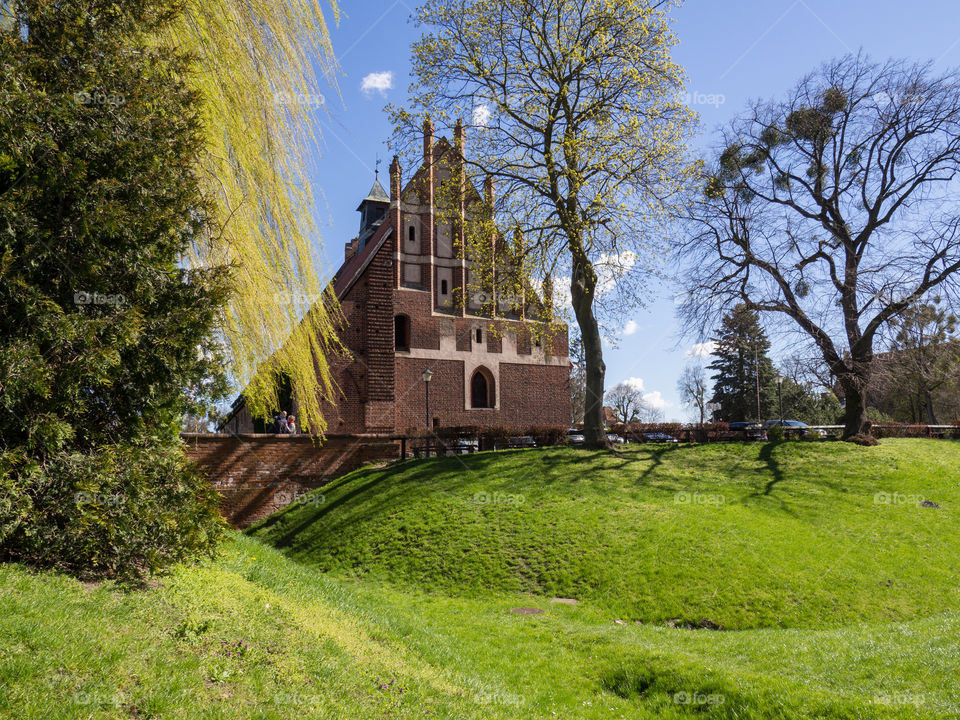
{"points": [[119, 511], [107, 338]]}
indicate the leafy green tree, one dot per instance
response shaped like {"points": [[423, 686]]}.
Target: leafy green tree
{"points": [[742, 370], [577, 121], [257, 69], [105, 338]]}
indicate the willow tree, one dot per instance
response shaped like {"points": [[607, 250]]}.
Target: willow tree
{"points": [[256, 70], [574, 117], [834, 212]]}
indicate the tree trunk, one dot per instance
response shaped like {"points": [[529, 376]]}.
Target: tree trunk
{"points": [[594, 433], [931, 415], [855, 413]]}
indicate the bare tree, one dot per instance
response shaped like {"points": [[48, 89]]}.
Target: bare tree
{"points": [[577, 121], [627, 402], [833, 211], [693, 389]]}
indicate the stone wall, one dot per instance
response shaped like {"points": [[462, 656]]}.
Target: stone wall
{"points": [[259, 474]]}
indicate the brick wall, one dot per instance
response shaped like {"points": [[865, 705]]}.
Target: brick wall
{"points": [[259, 474], [535, 395]]}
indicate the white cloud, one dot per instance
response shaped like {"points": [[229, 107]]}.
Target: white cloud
{"points": [[561, 294], [655, 400], [611, 267], [481, 115], [377, 82], [635, 383], [630, 328], [700, 350]]}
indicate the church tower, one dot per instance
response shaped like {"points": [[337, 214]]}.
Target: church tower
{"points": [[373, 211]]}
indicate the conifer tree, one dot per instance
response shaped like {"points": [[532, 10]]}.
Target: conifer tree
{"points": [[740, 367]]}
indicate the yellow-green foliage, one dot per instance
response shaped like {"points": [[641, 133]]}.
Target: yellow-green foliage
{"points": [[574, 108], [255, 70]]}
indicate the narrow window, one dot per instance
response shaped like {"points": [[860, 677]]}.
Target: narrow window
{"points": [[479, 335], [443, 287], [401, 332], [413, 234]]}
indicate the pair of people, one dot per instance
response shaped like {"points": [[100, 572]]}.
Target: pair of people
{"points": [[284, 424]]}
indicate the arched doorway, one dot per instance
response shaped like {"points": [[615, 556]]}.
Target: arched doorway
{"points": [[482, 391]]}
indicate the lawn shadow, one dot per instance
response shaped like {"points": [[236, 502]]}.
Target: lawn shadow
{"points": [[766, 454]]}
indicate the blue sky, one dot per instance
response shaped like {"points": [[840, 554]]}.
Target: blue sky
{"points": [[733, 52]]}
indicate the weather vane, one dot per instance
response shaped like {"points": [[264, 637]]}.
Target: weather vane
{"points": [[376, 172]]}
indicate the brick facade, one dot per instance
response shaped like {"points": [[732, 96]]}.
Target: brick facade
{"points": [[411, 267]]}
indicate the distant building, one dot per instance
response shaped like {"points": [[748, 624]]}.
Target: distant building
{"points": [[399, 289], [610, 416]]}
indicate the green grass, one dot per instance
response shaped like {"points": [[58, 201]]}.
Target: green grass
{"points": [[742, 535], [256, 634]]}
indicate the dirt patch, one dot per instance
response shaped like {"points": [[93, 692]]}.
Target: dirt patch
{"points": [[702, 624], [526, 611]]}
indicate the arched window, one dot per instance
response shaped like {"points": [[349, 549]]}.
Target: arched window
{"points": [[401, 332], [482, 392], [412, 233]]}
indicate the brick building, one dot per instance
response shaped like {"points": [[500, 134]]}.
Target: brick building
{"points": [[404, 291]]}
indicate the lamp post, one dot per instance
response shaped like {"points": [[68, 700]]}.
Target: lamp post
{"points": [[780, 396], [427, 374]]}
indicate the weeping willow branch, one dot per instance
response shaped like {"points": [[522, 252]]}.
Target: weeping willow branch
{"points": [[257, 68]]}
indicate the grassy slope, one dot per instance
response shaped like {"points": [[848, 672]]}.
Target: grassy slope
{"points": [[257, 635], [252, 635], [311, 647], [743, 535]]}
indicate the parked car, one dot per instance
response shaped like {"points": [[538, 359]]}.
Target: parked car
{"points": [[657, 437], [615, 439], [521, 441], [795, 427], [749, 430], [575, 437]]}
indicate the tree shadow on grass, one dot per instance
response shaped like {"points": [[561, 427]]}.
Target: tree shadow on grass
{"points": [[766, 454], [657, 459]]}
